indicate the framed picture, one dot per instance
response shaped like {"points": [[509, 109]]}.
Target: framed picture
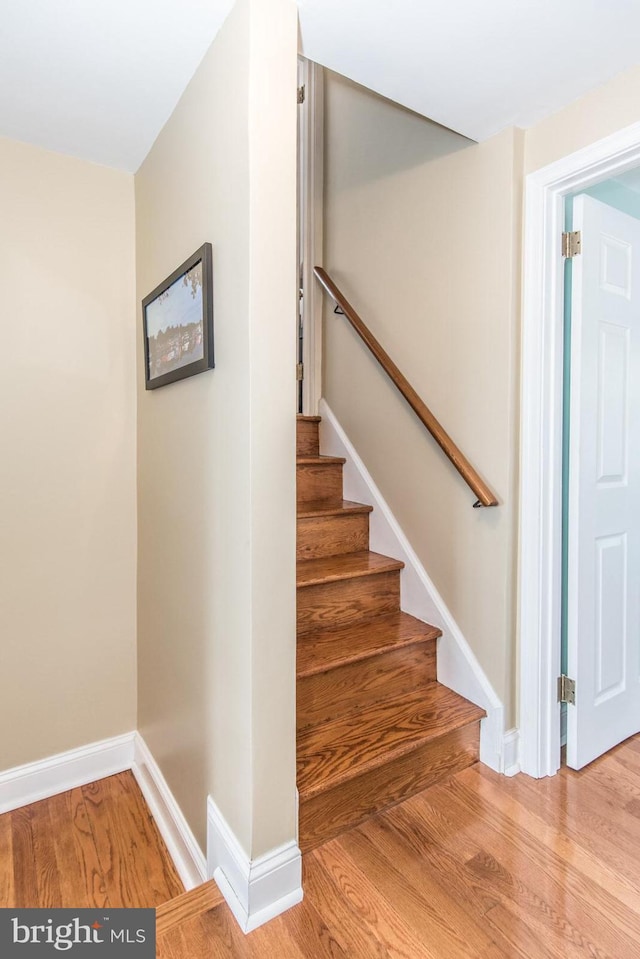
{"points": [[178, 322]]}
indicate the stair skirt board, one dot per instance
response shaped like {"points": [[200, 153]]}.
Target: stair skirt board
{"points": [[458, 668], [256, 890]]}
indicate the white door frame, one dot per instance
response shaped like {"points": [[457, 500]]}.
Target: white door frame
{"points": [[540, 559], [310, 197]]}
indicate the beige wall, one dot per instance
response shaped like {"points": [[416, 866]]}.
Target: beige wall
{"points": [[67, 467], [422, 234], [594, 116], [216, 453]]}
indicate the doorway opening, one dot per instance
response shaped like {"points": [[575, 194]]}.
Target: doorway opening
{"points": [[600, 652], [310, 209], [540, 567]]}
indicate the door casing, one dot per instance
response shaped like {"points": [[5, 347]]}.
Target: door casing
{"points": [[310, 218], [540, 492]]}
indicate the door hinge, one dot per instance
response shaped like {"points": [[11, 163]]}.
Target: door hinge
{"points": [[566, 690], [299, 371], [301, 94], [571, 244]]}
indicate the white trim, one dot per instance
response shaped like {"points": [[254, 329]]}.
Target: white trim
{"points": [[56, 774], [256, 890], [311, 205], [511, 752], [32, 782], [183, 848], [458, 668], [540, 581]]}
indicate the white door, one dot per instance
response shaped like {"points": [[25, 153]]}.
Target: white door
{"points": [[604, 483]]}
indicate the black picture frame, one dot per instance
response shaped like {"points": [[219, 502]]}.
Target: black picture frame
{"points": [[177, 319]]}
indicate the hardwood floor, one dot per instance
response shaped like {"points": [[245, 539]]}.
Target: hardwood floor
{"points": [[92, 846], [476, 867]]}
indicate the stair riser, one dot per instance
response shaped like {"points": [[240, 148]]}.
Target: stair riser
{"points": [[320, 484], [348, 600], [307, 438], [328, 814], [345, 689], [332, 535]]}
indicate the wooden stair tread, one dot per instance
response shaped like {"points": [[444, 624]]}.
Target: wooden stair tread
{"points": [[327, 648], [188, 905], [312, 510], [308, 419], [374, 725], [331, 569], [319, 460], [335, 752]]}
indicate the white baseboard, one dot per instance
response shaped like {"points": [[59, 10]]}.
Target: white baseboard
{"points": [[511, 752], [56, 774], [78, 767], [458, 668], [187, 855], [256, 890]]}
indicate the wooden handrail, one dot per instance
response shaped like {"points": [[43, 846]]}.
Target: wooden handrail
{"points": [[422, 411]]}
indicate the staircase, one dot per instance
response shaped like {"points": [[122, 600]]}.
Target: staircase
{"points": [[374, 725]]}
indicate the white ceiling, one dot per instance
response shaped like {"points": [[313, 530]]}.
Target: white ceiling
{"points": [[99, 78], [476, 66]]}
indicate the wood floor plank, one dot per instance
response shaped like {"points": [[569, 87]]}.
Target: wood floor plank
{"points": [[386, 926], [627, 759], [187, 906], [7, 889], [160, 868], [425, 907], [210, 935], [72, 842], [124, 832], [43, 827], [477, 867], [58, 853], [314, 935], [618, 772], [25, 866], [439, 823], [321, 892], [589, 909], [584, 827], [596, 796], [551, 834], [590, 913], [426, 866], [216, 935]]}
